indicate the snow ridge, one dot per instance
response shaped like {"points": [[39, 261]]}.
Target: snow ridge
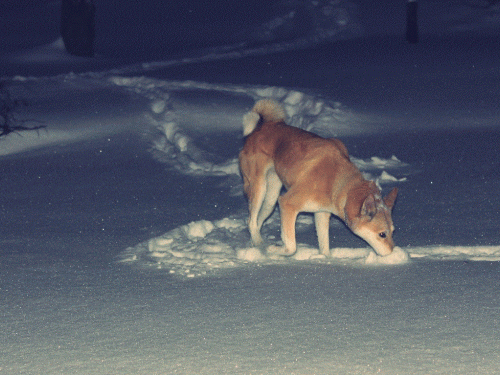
{"points": [[174, 145], [203, 248]]}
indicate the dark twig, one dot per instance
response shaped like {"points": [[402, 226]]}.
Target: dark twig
{"points": [[9, 123]]}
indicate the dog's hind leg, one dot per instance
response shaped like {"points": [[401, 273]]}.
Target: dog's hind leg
{"points": [[273, 189], [322, 221], [256, 195], [288, 211], [254, 169]]}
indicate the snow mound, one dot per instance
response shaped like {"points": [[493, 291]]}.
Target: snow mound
{"points": [[174, 111], [397, 256], [375, 164], [180, 116], [472, 253], [204, 247]]}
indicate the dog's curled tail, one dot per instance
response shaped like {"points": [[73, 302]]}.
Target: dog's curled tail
{"points": [[264, 110]]}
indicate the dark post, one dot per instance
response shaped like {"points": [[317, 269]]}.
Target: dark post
{"points": [[411, 21], [78, 26]]}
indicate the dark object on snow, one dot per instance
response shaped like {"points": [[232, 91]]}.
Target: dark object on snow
{"points": [[78, 26], [8, 121], [411, 21]]}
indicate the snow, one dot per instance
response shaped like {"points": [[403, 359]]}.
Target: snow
{"points": [[202, 248], [123, 240]]}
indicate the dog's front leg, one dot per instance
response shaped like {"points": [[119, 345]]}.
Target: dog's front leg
{"points": [[322, 221]]}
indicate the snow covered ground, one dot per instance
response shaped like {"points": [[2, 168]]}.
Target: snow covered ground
{"points": [[123, 242]]}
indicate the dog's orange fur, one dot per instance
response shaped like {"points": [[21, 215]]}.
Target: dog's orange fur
{"points": [[318, 177]]}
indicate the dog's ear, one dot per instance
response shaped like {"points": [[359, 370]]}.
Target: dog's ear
{"points": [[369, 207], [391, 198]]}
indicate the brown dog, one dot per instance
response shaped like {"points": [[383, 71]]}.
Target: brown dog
{"points": [[318, 177]]}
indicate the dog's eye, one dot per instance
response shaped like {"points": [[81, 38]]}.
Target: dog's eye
{"points": [[382, 235]]}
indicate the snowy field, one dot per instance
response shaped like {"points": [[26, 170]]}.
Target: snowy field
{"points": [[123, 239]]}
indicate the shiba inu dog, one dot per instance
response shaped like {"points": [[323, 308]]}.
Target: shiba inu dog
{"points": [[318, 177]]}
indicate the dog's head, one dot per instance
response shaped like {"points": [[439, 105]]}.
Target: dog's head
{"points": [[374, 222]]}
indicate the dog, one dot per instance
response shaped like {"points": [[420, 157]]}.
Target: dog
{"points": [[318, 177]]}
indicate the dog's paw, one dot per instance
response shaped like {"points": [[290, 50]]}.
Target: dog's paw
{"points": [[279, 250], [326, 254], [275, 250], [257, 240]]}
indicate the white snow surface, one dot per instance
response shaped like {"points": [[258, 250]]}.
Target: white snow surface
{"points": [[248, 312], [203, 247], [199, 299]]}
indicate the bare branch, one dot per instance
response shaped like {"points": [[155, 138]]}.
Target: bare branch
{"points": [[9, 123]]}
